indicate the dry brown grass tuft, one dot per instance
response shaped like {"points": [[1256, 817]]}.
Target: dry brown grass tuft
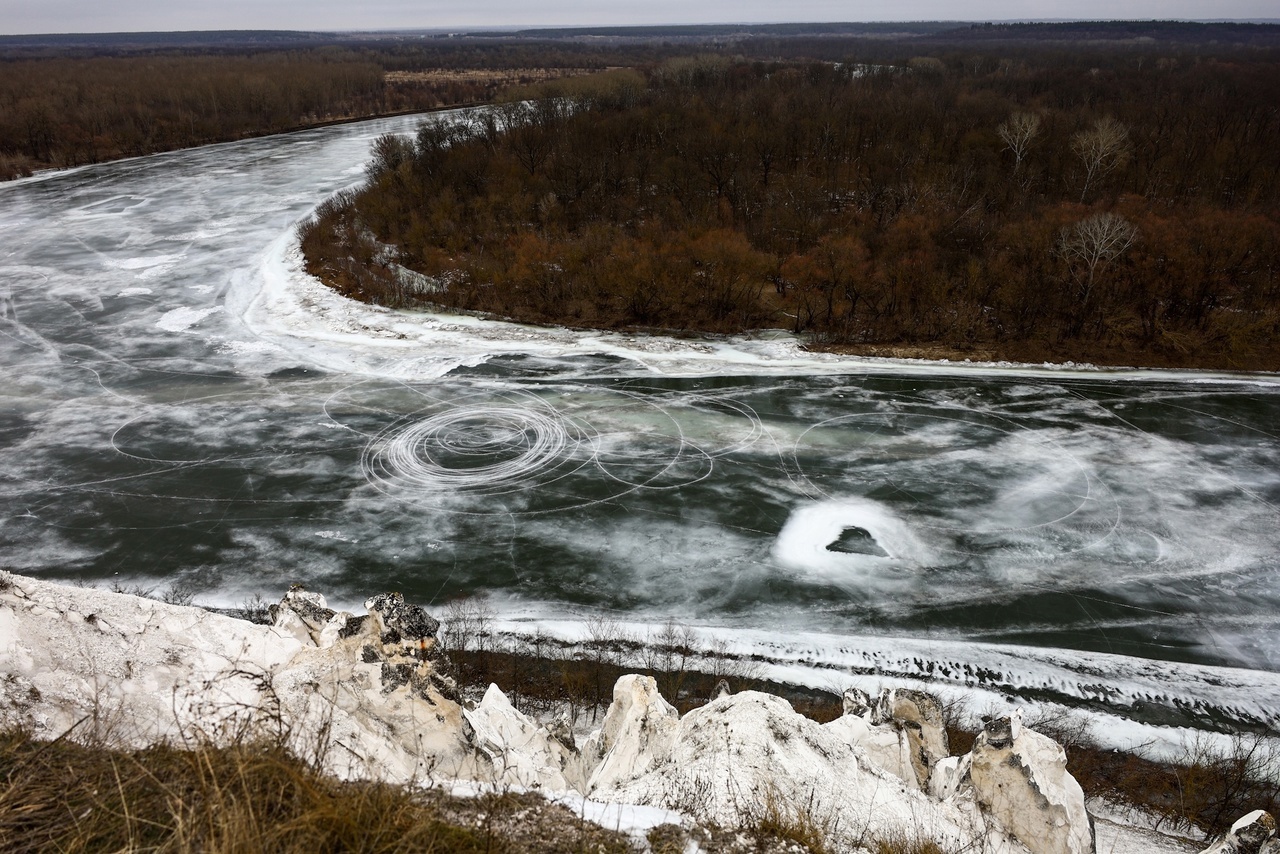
{"points": [[67, 797], [905, 844], [810, 825]]}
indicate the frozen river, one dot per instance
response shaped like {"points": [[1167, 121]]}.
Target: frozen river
{"points": [[181, 405]]}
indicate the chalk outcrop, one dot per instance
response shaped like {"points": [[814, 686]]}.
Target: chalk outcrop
{"points": [[1020, 778], [360, 695], [746, 757], [1254, 833], [901, 732], [367, 696]]}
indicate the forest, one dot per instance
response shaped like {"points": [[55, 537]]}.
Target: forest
{"points": [[63, 107], [1107, 206]]}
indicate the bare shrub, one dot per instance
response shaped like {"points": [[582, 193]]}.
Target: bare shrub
{"points": [[810, 824], [467, 623], [255, 609]]}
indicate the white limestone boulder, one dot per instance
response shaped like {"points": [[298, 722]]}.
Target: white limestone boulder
{"points": [[1254, 833], [522, 752], [636, 736], [1020, 778], [134, 672], [305, 615], [885, 747], [750, 756]]}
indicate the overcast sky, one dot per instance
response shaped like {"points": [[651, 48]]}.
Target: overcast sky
{"points": [[83, 16]]}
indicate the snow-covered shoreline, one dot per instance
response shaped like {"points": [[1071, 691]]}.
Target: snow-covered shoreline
{"points": [[291, 309]]}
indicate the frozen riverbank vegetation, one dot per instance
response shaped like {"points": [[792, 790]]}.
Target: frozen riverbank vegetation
{"points": [[1042, 208], [222, 728]]}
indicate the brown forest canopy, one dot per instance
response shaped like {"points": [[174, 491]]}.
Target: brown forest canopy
{"points": [[1122, 208], [69, 109]]}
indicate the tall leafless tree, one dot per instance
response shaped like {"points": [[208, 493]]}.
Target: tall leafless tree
{"points": [[1017, 132], [1091, 245], [1101, 149]]}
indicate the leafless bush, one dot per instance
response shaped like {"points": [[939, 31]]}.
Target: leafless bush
{"points": [[467, 623], [810, 824], [254, 609], [1216, 786]]}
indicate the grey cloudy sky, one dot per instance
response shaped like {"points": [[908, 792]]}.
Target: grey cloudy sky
{"points": [[61, 16]]}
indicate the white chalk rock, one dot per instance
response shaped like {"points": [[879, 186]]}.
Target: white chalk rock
{"points": [[636, 735], [1020, 778], [522, 752], [948, 775], [747, 756], [886, 747], [140, 672], [307, 617], [901, 732], [918, 716], [1254, 833]]}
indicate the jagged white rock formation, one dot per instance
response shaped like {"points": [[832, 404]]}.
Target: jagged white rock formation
{"points": [[744, 757], [1254, 833], [364, 697], [1020, 777], [522, 752], [358, 694], [901, 732], [638, 733]]}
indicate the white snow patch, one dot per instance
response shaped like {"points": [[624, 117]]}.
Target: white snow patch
{"points": [[804, 540], [632, 819]]}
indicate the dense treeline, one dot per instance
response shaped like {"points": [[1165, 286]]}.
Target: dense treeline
{"points": [[71, 110], [1123, 211]]}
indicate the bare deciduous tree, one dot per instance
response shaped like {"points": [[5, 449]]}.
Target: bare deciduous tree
{"points": [[1017, 132], [467, 621], [1101, 149], [1091, 245]]}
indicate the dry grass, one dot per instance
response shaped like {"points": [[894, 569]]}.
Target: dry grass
{"points": [[809, 825], [68, 797], [904, 844]]}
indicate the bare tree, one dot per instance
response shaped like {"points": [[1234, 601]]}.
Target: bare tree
{"points": [[1091, 245], [1101, 149], [1017, 132], [467, 620]]}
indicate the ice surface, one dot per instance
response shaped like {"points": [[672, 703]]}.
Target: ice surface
{"points": [[182, 404]]}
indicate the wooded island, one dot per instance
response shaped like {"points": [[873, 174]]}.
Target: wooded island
{"points": [[1102, 206]]}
